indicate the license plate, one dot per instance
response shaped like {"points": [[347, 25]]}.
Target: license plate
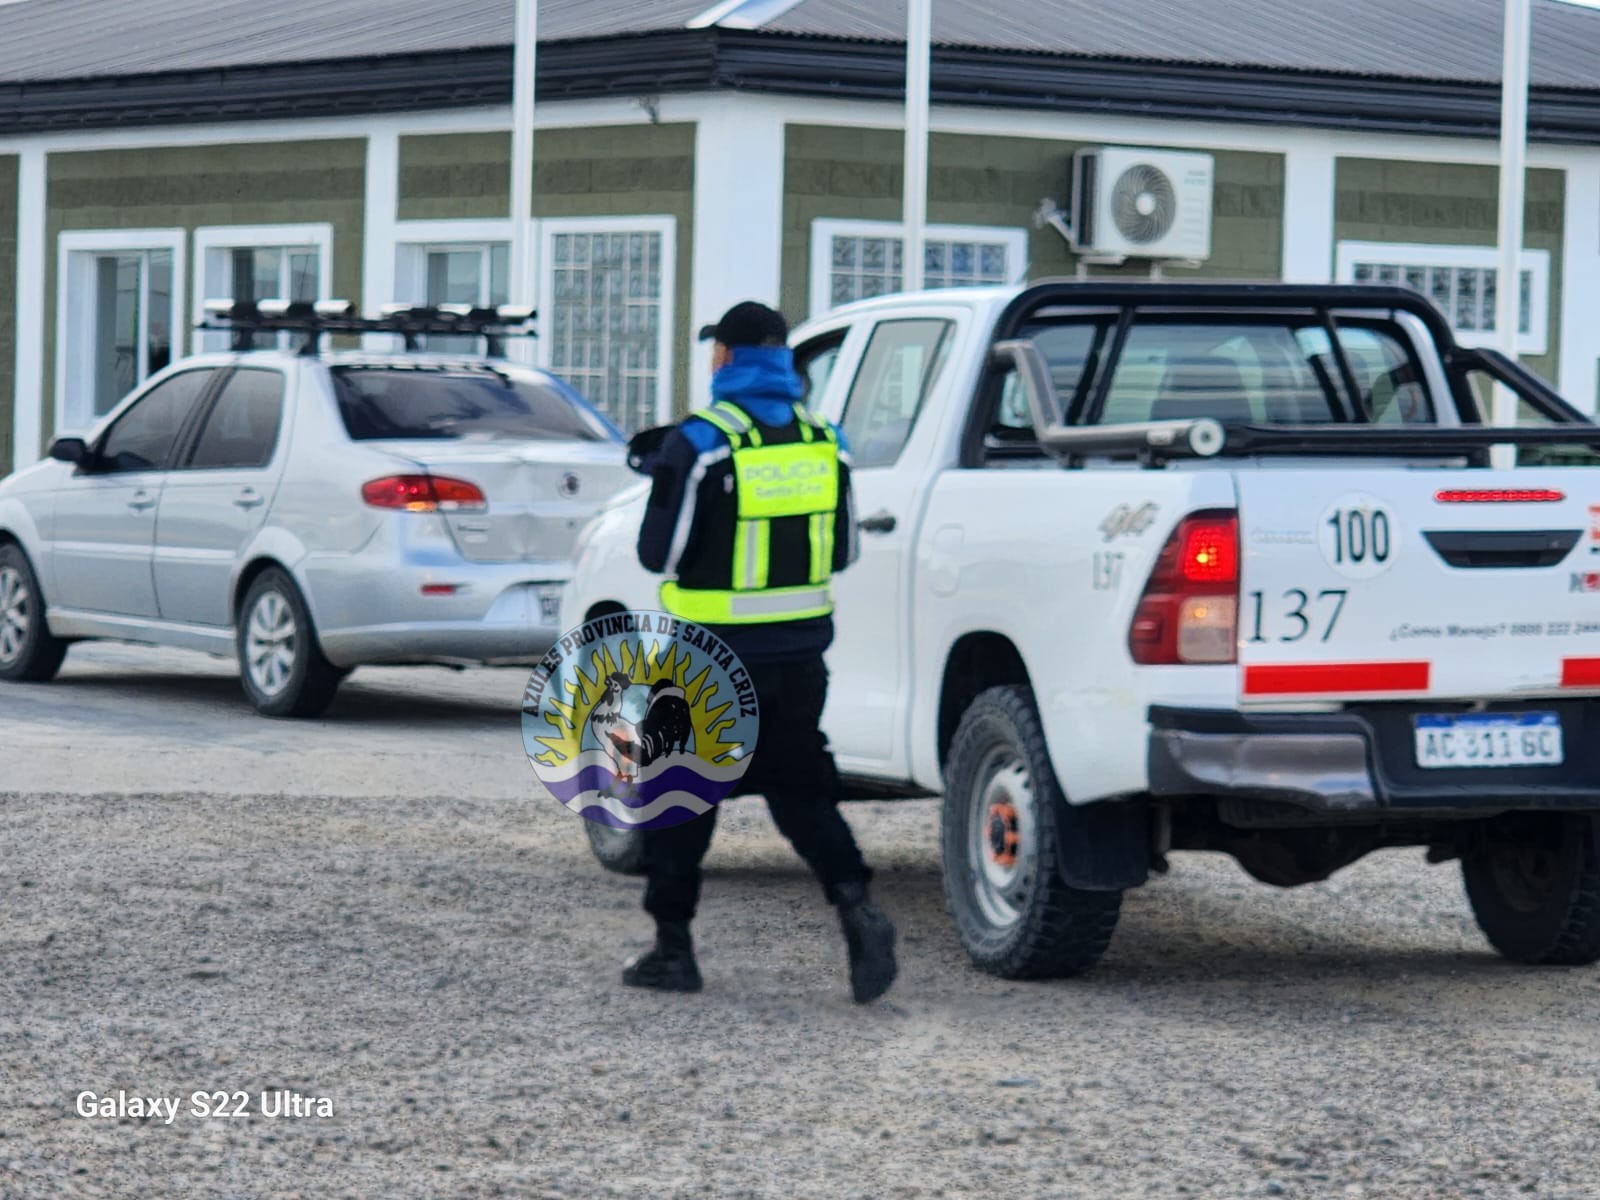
{"points": [[1530, 739], [549, 604]]}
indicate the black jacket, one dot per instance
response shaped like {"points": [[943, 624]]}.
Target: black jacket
{"points": [[688, 523]]}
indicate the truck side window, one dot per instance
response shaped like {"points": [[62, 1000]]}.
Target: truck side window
{"points": [[815, 361], [897, 371]]}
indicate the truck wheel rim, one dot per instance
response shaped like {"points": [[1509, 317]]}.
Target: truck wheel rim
{"points": [[1000, 839], [13, 614], [269, 643], [1524, 874]]}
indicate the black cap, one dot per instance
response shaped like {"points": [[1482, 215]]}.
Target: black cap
{"points": [[748, 323]]}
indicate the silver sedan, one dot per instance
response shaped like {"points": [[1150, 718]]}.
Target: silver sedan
{"points": [[309, 514]]}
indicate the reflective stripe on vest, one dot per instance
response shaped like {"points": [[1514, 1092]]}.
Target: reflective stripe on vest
{"points": [[709, 607], [772, 482]]}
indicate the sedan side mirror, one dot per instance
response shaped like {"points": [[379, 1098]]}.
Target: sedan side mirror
{"points": [[645, 445], [69, 450]]}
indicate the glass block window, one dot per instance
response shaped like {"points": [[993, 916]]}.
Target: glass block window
{"points": [[1467, 295], [855, 260], [607, 316], [1462, 281]]}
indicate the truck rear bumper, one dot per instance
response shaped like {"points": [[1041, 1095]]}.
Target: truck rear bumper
{"points": [[1357, 764]]}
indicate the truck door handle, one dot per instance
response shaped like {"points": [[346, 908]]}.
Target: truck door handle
{"points": [[881, 521], [141, 500], [247, 498]]}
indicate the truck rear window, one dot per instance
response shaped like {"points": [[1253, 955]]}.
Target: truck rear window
{"points": [[417, 402], [1275, 372]]}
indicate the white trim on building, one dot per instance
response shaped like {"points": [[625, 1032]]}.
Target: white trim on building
{"points": [[27, 403], [213, 265], [78, 252], [738, 193]]}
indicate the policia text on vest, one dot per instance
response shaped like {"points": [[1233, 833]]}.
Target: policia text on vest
{"points": [[783, 480]]}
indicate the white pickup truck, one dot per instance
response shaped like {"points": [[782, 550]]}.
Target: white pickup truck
{"points": [[1151, 567]]}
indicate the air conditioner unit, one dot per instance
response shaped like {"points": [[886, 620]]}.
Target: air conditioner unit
{"points": [[1133, 203]]}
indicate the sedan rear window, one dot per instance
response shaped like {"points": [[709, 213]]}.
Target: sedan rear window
{"points": [[455, 402]]}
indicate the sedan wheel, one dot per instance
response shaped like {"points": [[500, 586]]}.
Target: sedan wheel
{"points": [[270, 643], [280, 663], [28, 652]]}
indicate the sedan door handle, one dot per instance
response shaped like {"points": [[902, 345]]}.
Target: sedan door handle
{"points": [[248, 499], [141, 500], [881, 521]]}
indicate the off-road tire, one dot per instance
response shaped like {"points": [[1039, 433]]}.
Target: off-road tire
{"points": [[311, 679], [1551, 916], [1058, 930], [618, 850], [37, 655]]}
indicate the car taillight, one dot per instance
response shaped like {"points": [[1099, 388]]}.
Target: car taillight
{"points": [[424, 493], [1190, 606]]}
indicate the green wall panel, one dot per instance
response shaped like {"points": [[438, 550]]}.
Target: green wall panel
{"points": [[614, 170], [456, 175], [8, 305], [262, 183], [1453, 204], [972, 180]]}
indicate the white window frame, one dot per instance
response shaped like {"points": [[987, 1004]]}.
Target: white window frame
{"points": [[825, 229], [414, 240], [1408, 254], [223, 239], [74, 405], [549, 228]]}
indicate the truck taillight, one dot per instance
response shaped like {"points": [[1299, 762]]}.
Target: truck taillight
{"points": [[1190, 607], [424, 493]]}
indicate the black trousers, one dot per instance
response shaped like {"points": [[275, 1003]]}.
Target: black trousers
{"points": [[793, 768]]}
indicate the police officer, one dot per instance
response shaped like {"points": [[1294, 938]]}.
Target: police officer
{"points": [[754, 570]]}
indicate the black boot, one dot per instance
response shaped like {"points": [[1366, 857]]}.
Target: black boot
{"points": [[670, 966], [869, 935]]}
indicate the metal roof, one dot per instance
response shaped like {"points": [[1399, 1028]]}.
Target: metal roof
{"points": [[1457, 40], [1446, 40]]}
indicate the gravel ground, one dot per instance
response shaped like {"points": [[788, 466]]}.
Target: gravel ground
{"points": [[379, 909]]}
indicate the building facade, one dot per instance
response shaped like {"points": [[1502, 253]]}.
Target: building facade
{"points": [[655, 209]]}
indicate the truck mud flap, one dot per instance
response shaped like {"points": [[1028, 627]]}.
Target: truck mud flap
{"points": [[1103, 847]]}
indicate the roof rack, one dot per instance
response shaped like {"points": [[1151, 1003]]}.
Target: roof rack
{"points": [[313, 318]]}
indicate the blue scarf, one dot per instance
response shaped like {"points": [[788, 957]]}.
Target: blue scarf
{"points": [[762, 381]]}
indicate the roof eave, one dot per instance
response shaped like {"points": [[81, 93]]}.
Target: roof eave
{"points": [[698, 60]]}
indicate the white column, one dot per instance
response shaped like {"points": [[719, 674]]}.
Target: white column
{"points": [[1308, 216], [382, 211], [1580, 285], [27, 413], [919, 30], [1513, 177], [523, 285], [738, 218]]}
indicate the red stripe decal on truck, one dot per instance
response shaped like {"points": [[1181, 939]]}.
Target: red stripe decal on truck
{"points": [[1580, 672], [1303, 679]]}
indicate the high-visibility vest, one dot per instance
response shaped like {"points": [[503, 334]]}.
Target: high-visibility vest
{"points": [[791, 480]]}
